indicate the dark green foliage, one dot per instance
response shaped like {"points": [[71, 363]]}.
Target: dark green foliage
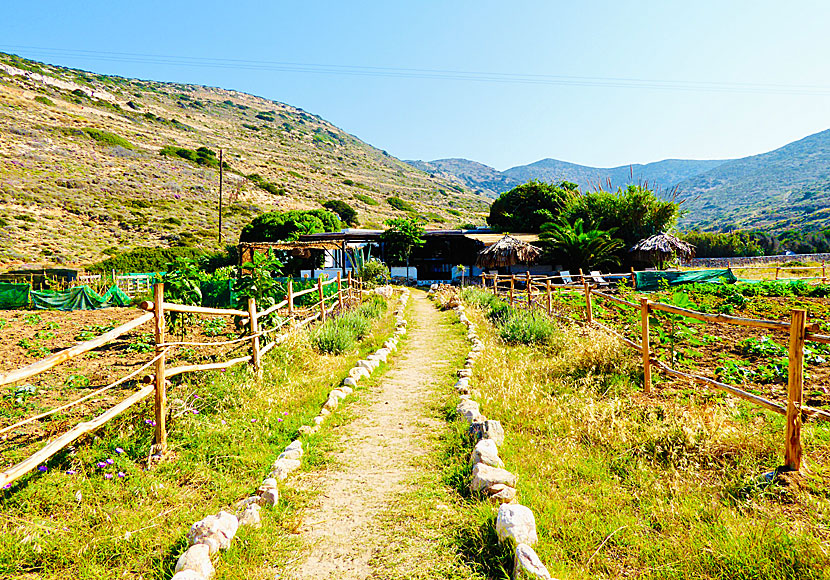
{"points": [[266, 185], [265, 116], [256, 280], [578, 247], [290, 225], [251, 127], [400, 238], [400, 204], [101, 136], [723, 245], [635, 212], [144, 260], [348, 182], [526, 207], [366, 199], [43, 100], [201, 156], [348, 215]]}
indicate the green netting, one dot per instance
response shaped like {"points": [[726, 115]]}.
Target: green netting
{"points": [[649, 281], [14, 295], [79, 298], [116, 297]]}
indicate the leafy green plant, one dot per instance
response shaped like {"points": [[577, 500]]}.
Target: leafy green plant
{"points": [[32, 318], [373, 273], [580, 246], [76, 381], [256, 280], [182, 286], [364, 198], [674, 329], [400, 204]]}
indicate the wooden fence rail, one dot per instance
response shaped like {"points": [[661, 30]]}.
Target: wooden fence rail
{"points": [[347, 295], [798, 329]]}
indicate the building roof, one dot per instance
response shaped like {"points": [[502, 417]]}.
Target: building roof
{"points": [[486, 237]]}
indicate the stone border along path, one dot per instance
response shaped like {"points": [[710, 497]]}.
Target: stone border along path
{"points": [[215, 532], [515, 523]]}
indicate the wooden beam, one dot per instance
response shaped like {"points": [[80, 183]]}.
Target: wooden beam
{"points": [[795, 387], [160, 386], [644, 311]]}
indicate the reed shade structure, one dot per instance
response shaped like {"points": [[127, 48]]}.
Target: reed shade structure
{"points": [[506, 252], [660, 247]]}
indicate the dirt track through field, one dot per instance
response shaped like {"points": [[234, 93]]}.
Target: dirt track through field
{"points": [[376, 457]]}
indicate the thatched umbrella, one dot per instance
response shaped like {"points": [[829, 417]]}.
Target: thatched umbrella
{"points": [[658, 248], [506, 252]]}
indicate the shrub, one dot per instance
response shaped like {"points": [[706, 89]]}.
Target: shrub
{"points": [[400, 204], [201, 156], [374, 307], [348, 215], [366, 199], [356, 322], [333, 338], [524, 327], [144, 259], [373, 273], [43, 100], [101, 136]]}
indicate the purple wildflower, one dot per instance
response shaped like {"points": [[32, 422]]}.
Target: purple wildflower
{"points": [[121, 474], [119, 450], [7, 486], [195, 396], [70, 472], [224, 422], [108, 476], [286, 413], [101, 464], [253, 420], [279, 420], [110, 461], [41, 468]]}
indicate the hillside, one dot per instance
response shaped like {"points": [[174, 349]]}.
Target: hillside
{"points": [[95, 163], [665, 174], [785, 188]]}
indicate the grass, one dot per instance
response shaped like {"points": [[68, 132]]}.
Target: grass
{"points": [[224, 433], [341, 334], [660, 487]]}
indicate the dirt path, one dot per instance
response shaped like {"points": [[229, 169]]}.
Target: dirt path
{"points": [[376, 461]]}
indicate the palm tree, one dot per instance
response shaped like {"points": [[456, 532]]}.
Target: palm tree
{"points": [[582, 248]]}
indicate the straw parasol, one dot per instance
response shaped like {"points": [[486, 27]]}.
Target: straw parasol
{"points": [[506, 252], [658, 248]]}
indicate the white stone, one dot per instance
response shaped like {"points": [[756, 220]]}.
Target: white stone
{"points": [[489, 429], [331, 403], [243, 503], [282, 467], [516, 522], [308, 429], [214, 531], [318, 420], [188, 575], [369, 365], [250, 517], [527, 565], [468, 409], [501, 493], [485, 476], [358, 372], [291, 454], [270, 496], [197, 559], [338, 392], [296, 444], [462, 382], [465, 373], [486, 451], [267, 483], [349, 382], [324, 412]]}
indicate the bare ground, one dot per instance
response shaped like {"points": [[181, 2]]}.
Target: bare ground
{"points": [[377, 462]]}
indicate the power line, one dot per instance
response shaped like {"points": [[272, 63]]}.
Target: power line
{"points": [[424, 73]]}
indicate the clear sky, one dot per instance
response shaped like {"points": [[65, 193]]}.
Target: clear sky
{"points": [[600, 83]]}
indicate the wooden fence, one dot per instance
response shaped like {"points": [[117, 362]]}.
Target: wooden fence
{"points": [[538, 292], [291, 317]]}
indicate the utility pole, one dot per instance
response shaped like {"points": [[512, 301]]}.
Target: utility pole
{"points": [[220, 196]]}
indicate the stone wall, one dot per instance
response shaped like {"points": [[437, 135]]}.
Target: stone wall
{"points": [[755, 260]]}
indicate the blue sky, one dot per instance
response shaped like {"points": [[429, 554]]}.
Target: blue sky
{"points": [[660, 79]]}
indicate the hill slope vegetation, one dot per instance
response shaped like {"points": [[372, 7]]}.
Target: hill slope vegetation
{"points": [[93, 164]]}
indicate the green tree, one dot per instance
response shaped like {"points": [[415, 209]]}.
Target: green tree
{"points": [[278, 226], [526, 207], [348, 214], [634, 213], [579, 247], [402, 235]]}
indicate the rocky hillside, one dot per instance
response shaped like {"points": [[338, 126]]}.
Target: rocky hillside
{"points": [[784, 189], [92, 164], [488, 181]]}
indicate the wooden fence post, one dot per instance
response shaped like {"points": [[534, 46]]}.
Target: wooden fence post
{"points": [[349, 284], [633, 279], [512, 286], [589, 311], [550, 306], [644, 308], [322, 302], [161, 383], [823, 274], [483, 281], [339, 291], [795, 385], [495, 284], [529, 288], [254, 322], [289, 295], [777, 269]]}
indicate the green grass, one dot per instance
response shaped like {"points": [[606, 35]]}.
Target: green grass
{"points": [[661, 487], [107, 138], [340, 334], [56, 525], [365, 199]]}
